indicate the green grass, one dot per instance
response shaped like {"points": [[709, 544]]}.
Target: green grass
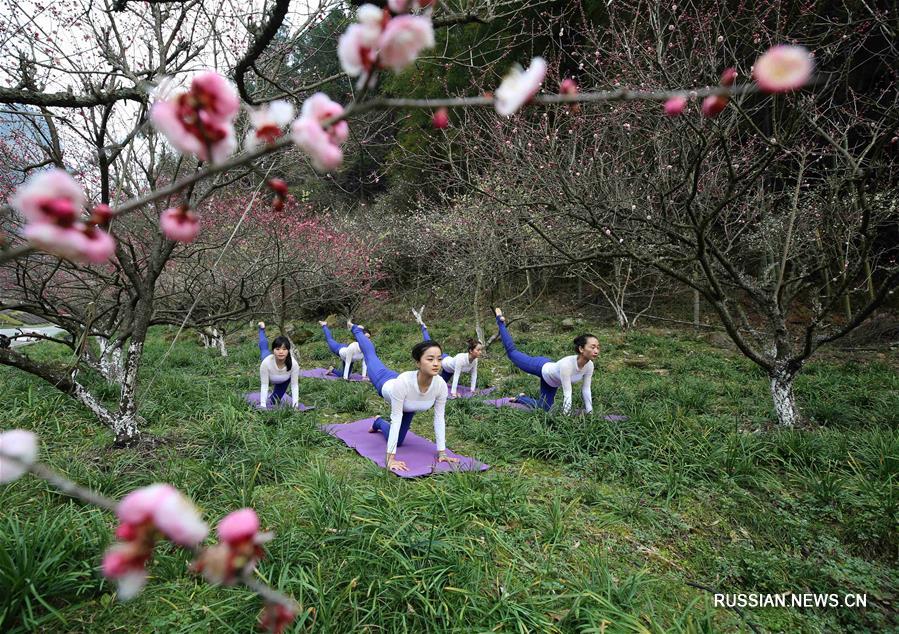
{"points": [[580, 525]]}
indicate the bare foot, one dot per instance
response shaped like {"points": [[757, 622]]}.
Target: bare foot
{"points": [[322, 323], [499, 314], [261, 324]]}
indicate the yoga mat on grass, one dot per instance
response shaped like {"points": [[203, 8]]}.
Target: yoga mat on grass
{"points": [[253, 399], [322, 373], [507, 402], [419, 454], [465, 392]]}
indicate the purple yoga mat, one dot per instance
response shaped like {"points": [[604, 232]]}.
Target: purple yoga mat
{"points": [[507, 402], [322, 373], [465, 392], [253, 399], [419, 454]]}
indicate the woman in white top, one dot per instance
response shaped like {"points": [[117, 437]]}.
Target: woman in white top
{"points": [[454, 366], [278, 368], [348, 354], [409, 392], [554, 374]]}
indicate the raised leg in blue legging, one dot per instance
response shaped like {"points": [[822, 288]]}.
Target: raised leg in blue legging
{"points": [[263, 345], [383, 426], [522, 361], [531, 365], [425, 335], [378, 373], [333, 346]]}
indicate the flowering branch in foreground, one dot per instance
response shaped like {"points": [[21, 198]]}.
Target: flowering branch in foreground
{"points": [[200, 122], [155, 512]]}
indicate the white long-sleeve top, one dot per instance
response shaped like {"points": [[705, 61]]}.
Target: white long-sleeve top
{"points": [[563, 373], [269, 372], [350, 353], [458, 365], [404, 396]]}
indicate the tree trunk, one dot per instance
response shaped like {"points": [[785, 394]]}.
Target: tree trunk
{"points": [[782, 379], [110, 360], [127, 431], [695, 307], [219, 337]]}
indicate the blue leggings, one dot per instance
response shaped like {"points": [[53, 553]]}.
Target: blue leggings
{"points": [[531, 365], [278, 389], [426, 336], [379, 374], [335, 349]]}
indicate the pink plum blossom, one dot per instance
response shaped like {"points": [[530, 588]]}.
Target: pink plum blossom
{"points": [[125, 563], [77, 242], [239, 526], [728, 77], [519, 87], [49, 196], [440, 120], [783, 68], [713, 105], [268, 123], [200, 120], [568, 87], [179, 520], [322, 146], [275, 618], [321, 108], [357, 48], [403, 39], [675, 106], [166, 509], [238, 551], [21, 445], [314, 141], [180, 224]]}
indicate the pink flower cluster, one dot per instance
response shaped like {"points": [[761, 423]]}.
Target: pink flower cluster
{"points": [[18, 444], [52, 203], [200, 121], [780, 69], [144, 515], [381, 40], [238, 550], [310, 134]]}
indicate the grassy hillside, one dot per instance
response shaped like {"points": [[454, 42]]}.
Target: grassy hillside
{"points": [[580, 526]]}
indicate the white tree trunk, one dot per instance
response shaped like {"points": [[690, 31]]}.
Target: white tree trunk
{"points": [[124, 427], [219, 338], [111, 364], [126, 421], [784, 399]]}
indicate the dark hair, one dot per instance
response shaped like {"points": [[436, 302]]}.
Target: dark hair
{"points": [[419, 349], [581, 341], [284, 342], [472, 344], [366, 331]]}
